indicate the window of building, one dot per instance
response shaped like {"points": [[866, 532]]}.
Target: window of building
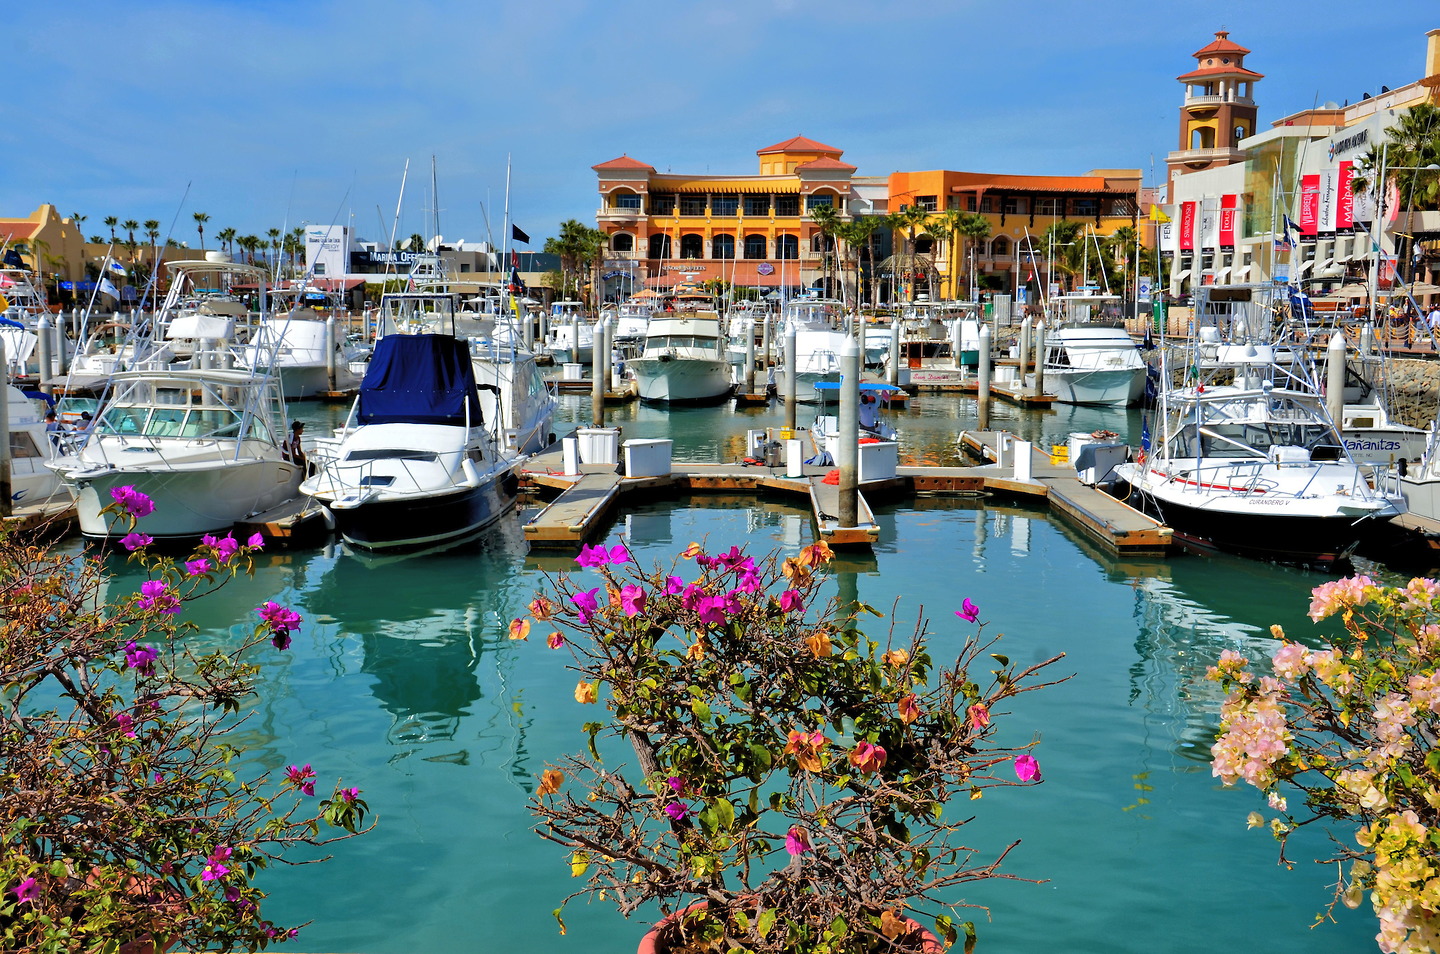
{"points": [[659, 246], [622, 242], [787, 205], [722, 246], [627, 200], [1013, 205], [926, 202], [464, 266], [662, 203], [1240, 132], [924, 245], [1000, 247], [757, 205], [824, 199], [1085, 207], [820, 242], [969, 203], [754, 246], [724, 204], [987, 203], [787, 246], [691, 246], [1047, 206], [692, 205]]}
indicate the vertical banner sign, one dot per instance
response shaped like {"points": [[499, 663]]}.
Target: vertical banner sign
{"points": [[1209, 224], [1328, 186], [1345, 200], [1168, 235], [1187, 226], [1309, 204], [1228, 209]]}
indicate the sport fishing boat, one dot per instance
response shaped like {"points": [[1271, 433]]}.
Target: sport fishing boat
{"points": [[31, 446], [819, 338], [415, 463], [293, 339], [684, 359], [514, 397], [1094, 363]]}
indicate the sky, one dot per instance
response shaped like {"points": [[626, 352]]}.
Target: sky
{"points": [[276, 113]]}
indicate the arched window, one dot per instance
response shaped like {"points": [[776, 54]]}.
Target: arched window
{"points": [[787, 246], [924, 245], [691, 246], [622, 242], [660, 246], [1240, 133], [754, 246], [1202, 137], [1001, 246], [722, 246]]}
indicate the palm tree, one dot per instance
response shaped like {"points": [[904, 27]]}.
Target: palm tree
{"points": [[79, 220], [111, 221], [909, 219], [200, 219], [578, 246], [854, 235], [1124, 242], [416, 242], [976, 228], [130, 225], [1063, 249], [827, 220], [274, 236], [226, 236]]}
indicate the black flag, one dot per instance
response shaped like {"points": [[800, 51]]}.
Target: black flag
{"points": [[518, 235]]}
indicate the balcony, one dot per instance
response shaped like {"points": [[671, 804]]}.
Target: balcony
{"points": [[1203, 156], [1199, 101], [609, 214]]}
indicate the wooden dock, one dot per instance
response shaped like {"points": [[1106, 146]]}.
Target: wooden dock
{"points": [[294, 524]]}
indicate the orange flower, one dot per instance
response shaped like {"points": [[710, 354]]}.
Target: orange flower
{"points": [[519, 629], [697, 651], [586, 692], [909, 709], [555, 640], [795, 571], [868, 758], [819, 644], [541, 608], [806, 747], [979, 716], [817, 553], [550, 781], [692, 551], [896, 657]]}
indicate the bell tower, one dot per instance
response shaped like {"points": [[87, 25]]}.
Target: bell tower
{"points": [[1219, 108]]}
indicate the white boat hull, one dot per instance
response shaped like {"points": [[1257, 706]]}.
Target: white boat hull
{"points": [[1118, 388], [680, 379]]}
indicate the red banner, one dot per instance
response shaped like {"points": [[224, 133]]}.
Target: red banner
{"points": [[1187, 226], [1345, 202], [1309, 204], [1228, 209]]}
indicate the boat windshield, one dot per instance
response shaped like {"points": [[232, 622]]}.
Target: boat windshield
{"points": [[1242, 439], [197, 423], [680, 341]]}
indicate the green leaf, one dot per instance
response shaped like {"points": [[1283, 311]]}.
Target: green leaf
{"points": [[559, 920], [838, 928], [700, 710], [765, 922], [725, 813], [867, 608], [969, 927], [1000, 658], [945, 927]]}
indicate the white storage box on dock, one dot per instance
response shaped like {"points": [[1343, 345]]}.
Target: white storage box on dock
{"points": [[1095, 457], [878, 461], [572, 372], [1006, 375], [647, 458], [599, 445]]}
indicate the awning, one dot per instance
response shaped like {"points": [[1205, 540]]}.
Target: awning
{"points": [[1304, 267], [1242, 273], [1221, 275], [1183, 275]]}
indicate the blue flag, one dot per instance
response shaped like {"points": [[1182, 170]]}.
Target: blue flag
{"points": [[1145, 433], [117, 268]]}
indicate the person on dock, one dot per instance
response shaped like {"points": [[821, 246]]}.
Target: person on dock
{"points": [[1432, 321], [292, 450], [869, 411]]}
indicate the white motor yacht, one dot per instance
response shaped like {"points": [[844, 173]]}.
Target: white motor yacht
{"points": [[684, 359]]}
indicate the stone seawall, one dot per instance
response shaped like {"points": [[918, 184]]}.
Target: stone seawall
{"points": [[1414, 390]]}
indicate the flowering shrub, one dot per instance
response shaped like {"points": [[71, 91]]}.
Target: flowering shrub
{"points": [[1352, 729], [796, 776], [122, 814]]}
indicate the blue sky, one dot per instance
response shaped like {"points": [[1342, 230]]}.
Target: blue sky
{"points": [[269, 114]]}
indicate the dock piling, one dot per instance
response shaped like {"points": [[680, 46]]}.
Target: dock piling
{"points": [[791, 361], [1335, 379], [1039, 336], [955, 344], [747, 328], [42, 351], [849, 430], [330, 353], [765, 346], [1024, 353], [984, 382], [893, 371], [597, 381]]}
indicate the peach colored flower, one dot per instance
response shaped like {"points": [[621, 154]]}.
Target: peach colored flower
{"points": [[806, 747], [909, 709], [519, 629], [586, 692], [867, 757]]}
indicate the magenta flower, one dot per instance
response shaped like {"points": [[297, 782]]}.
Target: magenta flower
{"points": [[301, 778], [141, 658], [27, 891], [282, 622], [690, 599], [126, 722], [632, 600], [154, 594], [674, 585], [749, 582], [257, 540], [711, 610], [586, 605], [677, 811], [618, 554], [790, 602], [730, 558], [132, 501], [225, 547], [196, 567], [220, 854], [213, 871], [1026, 768], [134, 540], [968, 611], [592, 556], [796, 841], [676, 783], [349, 795]]}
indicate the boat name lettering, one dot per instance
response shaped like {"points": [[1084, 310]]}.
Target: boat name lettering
{"points": [[1373, 445]]}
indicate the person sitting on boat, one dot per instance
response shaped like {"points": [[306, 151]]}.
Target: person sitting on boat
{"points": [[292, 450], [54, 428], [869, 411]]}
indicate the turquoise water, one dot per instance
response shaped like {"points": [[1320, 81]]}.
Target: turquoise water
{"points": [[402, 681]]}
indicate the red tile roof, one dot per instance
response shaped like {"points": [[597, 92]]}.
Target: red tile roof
{"points": [[624, 162], [1219, 71], [17, 231], [825, 162], [1221, 44], [799, 144]]}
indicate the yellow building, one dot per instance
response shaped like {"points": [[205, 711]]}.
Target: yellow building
{"points": [[49, 244]]}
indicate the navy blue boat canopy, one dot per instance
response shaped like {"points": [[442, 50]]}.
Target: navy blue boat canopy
{"points": [[419, 379]]}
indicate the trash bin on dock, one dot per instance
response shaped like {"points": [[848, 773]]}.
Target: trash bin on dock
{"points": [[647, 458], [599, 445], [878, 461]]}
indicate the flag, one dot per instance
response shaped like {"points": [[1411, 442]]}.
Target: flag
{"points": [[13, 259], [1145, 432], [518, 235], [107, 287], [516, 286], [117, 268], [1158, 215]]}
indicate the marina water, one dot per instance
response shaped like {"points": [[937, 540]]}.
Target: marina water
{"points": [[402, 681]]}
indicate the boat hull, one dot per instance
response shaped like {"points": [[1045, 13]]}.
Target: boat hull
{"points": [[1118, 388], [298, 382], [420, 520], [681, 380]]}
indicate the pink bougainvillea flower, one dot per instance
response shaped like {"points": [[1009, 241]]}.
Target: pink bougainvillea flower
{"points": [[909, 709], [301, 778], [225, 547], [134, 540], [586, 605], [196, 567], [520, 629], [555, 640], [155, 594], [979, 716], [632, 600], [1026, 768], [692, 596], [27, 891], [749, 583], [282, 622], [677, 811], [132, 501], [806, 747], [731, 558], [790, 602], [141, 658], [674, 585], [592, 556], [711, 610], [257, 540], [676, 783], [126, 722], [968, 611], [349, 795], [796, 841], [618, 554], [213, 871], [868, 758]]}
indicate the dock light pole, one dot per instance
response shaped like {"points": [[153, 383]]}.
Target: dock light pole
{"points": [[791, 360], [893, 375], [5, 433], [1335, 380], [984, 383], [849, 434]]}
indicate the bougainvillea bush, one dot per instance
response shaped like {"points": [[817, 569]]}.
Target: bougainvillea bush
{"points": [[1349, 732], [786, 781], [125, 814]]}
